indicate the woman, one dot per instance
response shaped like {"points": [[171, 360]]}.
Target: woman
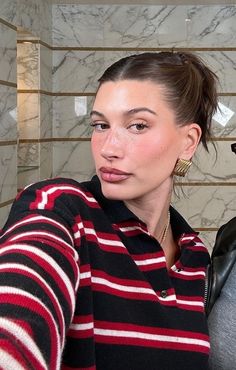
{"points": [[106, 274]]}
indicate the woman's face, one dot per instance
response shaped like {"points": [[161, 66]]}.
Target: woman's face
{"points": [[136, 141]]}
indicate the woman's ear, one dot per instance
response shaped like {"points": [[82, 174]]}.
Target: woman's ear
{"points": [[193, 133]]}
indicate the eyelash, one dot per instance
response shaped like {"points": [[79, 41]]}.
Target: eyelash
{"points": [[103, 126]]}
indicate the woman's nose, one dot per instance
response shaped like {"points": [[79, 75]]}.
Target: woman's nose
{"points": [[112, 146]]}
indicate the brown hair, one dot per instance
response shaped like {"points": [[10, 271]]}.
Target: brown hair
{"points": [[190, 86]]}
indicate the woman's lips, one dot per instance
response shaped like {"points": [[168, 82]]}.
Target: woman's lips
{"points": [[113, 174]]}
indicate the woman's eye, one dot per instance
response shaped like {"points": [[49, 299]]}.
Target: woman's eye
{"points": [[99, 126], [138, 126]]}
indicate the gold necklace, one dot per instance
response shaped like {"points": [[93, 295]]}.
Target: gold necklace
{"points": [[165, 230]]}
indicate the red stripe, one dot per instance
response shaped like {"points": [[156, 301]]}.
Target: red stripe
{"points": [[150, 343], [52, 197], [34, 307], [47, 267], [53, 300]]}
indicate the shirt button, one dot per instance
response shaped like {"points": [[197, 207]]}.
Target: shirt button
{"points": [[164, 293]]}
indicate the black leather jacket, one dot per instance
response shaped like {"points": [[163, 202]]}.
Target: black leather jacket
{"points": [[222, 260]]}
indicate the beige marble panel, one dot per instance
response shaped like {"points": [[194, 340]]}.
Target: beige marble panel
{"points": [[45, 68], [28, 66], [28, 115]]}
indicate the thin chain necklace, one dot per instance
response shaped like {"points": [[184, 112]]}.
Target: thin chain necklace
{"points": [[165, 230]]}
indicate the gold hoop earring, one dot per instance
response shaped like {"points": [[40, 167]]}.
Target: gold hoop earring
{"points": [[182, 166]]}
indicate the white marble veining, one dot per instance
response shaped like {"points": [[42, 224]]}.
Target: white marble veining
{"points": [[206, 206], [28, 66], [8, 113], [28, 155], [8, 11], [216, 166], [28, 16], [73, 159], [8, 172], [68, 119], [7, 54], [144, 25], [78, 71]]}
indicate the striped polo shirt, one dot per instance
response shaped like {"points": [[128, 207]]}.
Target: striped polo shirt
{"points": [[83, 285]]}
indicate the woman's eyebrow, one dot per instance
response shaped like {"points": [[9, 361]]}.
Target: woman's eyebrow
{"points": [[126, 113]]}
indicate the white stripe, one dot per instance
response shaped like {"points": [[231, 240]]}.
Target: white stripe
{"points": [[7, 362], [79, 327], [38, 218], [150, 261], [190, 303], [41, 205], [89, 231], [18, 266], [20, 333], [85, 275], [50, 261], [192, 273], [154, 337], [133, 228], [123, 288]]}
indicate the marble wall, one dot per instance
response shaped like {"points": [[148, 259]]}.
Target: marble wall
{"points": [[70, 47], [25, 100], [87, 39]]}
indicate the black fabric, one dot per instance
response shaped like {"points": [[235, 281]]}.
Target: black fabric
{"points": [[222, 260]]}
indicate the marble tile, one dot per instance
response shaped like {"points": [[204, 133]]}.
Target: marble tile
{"points": [[211, 26], [78, 25], [28, 116], [4, 212], [8, 11], [45, 21], [216, 166], [71, 116], [223, 63], [46, 160], [208, 238], [27, 176], [28, 155], [78, 71], [45, 69], [28, 66], [8, 172], [73, 160], [229, 130], [144, 25], [46, 117], [206, 206], [7, 54], [8, 113], [28, 16]]}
